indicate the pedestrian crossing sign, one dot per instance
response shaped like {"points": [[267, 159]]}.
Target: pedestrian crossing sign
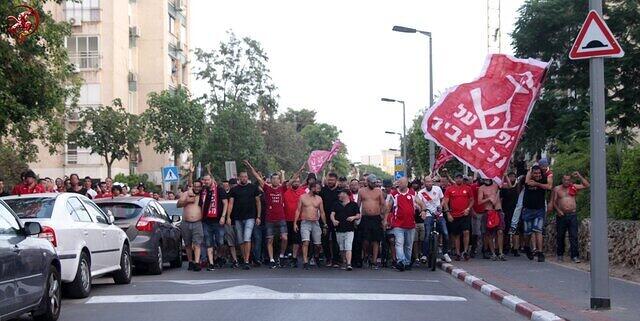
{"points": [[170, 174]]}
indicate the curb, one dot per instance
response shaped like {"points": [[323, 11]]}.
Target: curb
{"points": [[514, 303]]}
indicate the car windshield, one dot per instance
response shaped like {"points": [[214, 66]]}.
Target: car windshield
{"points": [[121, 211], [33, 207], [172, 208]]}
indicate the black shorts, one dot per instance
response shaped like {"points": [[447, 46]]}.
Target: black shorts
{"points": [[371, 228], [293, 237], [459, 225]]}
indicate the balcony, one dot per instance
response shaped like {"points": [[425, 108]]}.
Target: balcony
{"points": [[81, 156], [78, 15], [88, 60]]}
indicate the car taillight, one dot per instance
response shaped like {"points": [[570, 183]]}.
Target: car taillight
{"points": [[145, 224], [49, 234]]}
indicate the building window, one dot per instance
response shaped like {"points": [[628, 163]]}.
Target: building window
{"points": [[72, 153], [84, 51], [85, 10], [183, 34], [172, 25], [89, 95]]}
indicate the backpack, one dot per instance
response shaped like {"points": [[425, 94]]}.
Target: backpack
{"points": [[493, 219]]}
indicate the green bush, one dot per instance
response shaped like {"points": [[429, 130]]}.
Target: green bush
{"points": [[134, 180]]}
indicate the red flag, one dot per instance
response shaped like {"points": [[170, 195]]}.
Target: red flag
{"points": [[443, 157], [481, 122], [318, 158]]}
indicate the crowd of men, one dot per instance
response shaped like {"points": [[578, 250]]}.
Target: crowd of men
{"points": [[362, 222]]}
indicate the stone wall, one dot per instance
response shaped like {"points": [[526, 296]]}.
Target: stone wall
{"points": [[624, 241]]}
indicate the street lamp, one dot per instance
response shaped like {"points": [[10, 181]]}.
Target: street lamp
{"points": [[432, 146], [403, 137]]}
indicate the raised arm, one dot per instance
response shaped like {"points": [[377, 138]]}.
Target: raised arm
{"points": [[584, 183], [254, 173]]}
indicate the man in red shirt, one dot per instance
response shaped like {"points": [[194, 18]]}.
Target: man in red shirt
{"points": [[403, 203], [142, 191], [291, 197], [30, 185], [275, 216], [457, 203]]}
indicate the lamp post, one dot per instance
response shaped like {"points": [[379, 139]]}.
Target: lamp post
{"points": [[432, 146], [404, 132]]}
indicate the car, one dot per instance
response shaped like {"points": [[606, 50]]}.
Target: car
{"points": [[29, 270], [154, 239], [175, 212], [87, 242]]}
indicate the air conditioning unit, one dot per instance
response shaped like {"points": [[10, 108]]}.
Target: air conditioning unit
{"points": [[75, 22], [134, 32]]}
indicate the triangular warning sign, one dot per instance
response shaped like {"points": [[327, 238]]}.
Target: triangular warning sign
{"points": [[595, 40], [171, 176]]}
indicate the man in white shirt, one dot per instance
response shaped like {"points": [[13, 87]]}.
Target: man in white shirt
{"points": [[432, 197]]}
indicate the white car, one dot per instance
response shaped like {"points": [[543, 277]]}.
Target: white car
{"points": [[87, 242]]}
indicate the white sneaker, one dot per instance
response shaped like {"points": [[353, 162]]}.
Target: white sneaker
{"points": [[447, 258]]}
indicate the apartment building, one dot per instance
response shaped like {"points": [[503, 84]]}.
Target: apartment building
{"points": [[123, 49], [385, 160]]}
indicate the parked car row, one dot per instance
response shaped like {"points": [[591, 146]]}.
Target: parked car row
{"points": [[52, 244]]}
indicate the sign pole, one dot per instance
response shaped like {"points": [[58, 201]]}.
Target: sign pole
{"points": [[600, 298]]}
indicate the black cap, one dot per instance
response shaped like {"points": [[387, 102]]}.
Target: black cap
{"points": [[387, 183], [233, 181], [458, 174], [342, 190]]}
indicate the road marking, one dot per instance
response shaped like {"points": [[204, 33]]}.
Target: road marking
{"points": [[250, 292], [212, 281]]}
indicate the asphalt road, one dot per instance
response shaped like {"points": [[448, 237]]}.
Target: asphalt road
{"points": [[286, 294]]}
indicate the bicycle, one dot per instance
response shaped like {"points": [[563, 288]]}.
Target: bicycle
{"points": [[434, 236]]}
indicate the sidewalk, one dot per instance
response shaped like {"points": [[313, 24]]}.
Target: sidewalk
{"points": [[556, 288]]}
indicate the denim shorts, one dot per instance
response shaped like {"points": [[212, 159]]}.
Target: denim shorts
{"points": [[213, 233], [310, 231], [277, 227], [244, 228], [345, 240], [533, 220]]}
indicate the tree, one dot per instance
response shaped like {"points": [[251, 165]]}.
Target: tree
{"points": [[300, 118], [36, 81], [109, 132], [370, 169], [174, 122], [418, 148], [281, 136], [237, 75], [562, 113]]}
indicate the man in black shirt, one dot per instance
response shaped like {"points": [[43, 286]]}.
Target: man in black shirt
{"points": [[213, 202], [329, 194], [2, 191], [76, 187], [509, 197], [344, 213], [245, 207], [533, 210]]}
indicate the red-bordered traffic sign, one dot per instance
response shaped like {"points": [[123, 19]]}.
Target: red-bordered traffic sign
{"points": [[595, 40]]}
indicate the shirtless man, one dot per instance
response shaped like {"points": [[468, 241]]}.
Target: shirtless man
{"points": [[191, 225], [489, 197], [310, 210], [563, 201], [372, 204]]}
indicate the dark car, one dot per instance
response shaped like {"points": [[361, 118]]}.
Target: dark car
{"points": [[154, 239], [29, 270]]}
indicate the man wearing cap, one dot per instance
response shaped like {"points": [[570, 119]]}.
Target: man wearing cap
{"points": [[344, 213], [457, 203], [372, 204], [30, 185]]}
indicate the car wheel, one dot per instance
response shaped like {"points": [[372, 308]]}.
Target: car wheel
{"points": [[81, 285], [177, 262], [156, 267], [123, 276], [50, 304]]}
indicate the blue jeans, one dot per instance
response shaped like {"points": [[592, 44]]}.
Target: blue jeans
{"points": [[244, 228], [404, 243], [256, 242], [213, 234], [533, 220], [441, 226]]}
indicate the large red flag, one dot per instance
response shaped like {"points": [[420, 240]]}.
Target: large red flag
{"points": [[481, 122], [318, 158]]}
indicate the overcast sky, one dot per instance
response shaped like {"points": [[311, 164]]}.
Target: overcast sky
{"points": [[340, 57]]}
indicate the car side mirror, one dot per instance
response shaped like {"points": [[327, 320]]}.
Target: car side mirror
{"points": [[32, 228], [176, 218], [110, 218]]}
